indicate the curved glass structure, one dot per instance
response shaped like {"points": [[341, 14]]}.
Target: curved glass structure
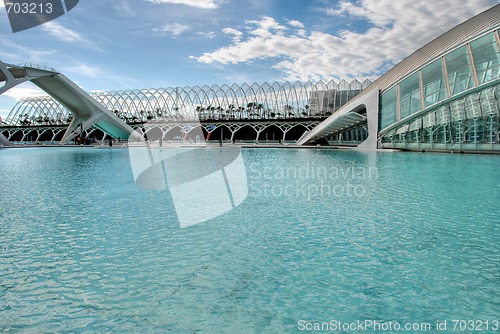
{"points": [[451, 101], [444, 96], [278, 101]]}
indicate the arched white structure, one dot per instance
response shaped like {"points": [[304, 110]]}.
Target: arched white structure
{"points": [[286, 107], [87, 112]]}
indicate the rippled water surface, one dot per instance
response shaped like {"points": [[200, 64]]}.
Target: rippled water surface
{"points": [[323, 235]]}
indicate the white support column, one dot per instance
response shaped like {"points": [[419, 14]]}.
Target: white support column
{"points": [[371, 102]]}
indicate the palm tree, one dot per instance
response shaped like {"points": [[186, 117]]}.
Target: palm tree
{"points": [[230, 111], [331, 106], [241, 109], [307, 110], [260, 107]]}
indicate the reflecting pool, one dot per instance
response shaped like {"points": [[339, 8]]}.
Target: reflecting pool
{"points": [[322, 236]]}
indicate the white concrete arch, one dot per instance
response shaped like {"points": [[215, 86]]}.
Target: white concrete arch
{"points": [[86, 110]]}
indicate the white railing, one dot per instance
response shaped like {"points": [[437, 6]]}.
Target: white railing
{"points": [[38, 66]]}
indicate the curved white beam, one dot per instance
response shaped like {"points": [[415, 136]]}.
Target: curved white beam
{"points": [[86, 111]]}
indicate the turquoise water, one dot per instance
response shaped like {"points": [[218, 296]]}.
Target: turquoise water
{"points": [[402, 237]]}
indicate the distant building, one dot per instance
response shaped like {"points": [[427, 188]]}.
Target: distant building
{"points": [[326, 102]]}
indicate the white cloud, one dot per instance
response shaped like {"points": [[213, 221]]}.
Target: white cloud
{"points": [[203, 4], [348, 8], [96, 73], [62, 33], [266, 27], [397, 29], [123, 9], [236, 34], [208, 34], [20, 92], [17, 52], [295, 23], [302, 33], [174, 29], [85, 70]]}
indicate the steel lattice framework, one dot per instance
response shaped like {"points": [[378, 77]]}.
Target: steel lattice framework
{"points": [[280, 101]]}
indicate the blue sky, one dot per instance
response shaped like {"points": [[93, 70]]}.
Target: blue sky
{"points": [[129, 44]]}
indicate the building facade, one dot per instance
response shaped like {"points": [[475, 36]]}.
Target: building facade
{"points": [[452, 102], [445, 96]]}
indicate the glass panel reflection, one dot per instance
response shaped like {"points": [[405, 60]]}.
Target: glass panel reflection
{"points": [[459, 71], [433, 81], [486, 58], [410, 95], [388, 108]]}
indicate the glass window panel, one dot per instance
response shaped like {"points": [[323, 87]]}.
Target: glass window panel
{"points": [[416, 124], [458, 110], [433, 81], [472, 106], [410, 95], [486, 58], [388, 108], [443, 115], [429, 120], [459, 71], [488, 102]]}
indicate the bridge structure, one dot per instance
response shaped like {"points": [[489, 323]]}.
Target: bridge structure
{"points": [[86, 111], [250, 130]]}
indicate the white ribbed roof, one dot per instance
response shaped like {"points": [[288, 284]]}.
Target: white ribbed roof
{"points": [[461, 34]]}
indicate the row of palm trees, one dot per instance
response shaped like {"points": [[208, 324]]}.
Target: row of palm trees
{"points": [[252, 111], [58, 119]]}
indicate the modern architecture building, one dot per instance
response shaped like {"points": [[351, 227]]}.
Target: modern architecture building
{"points": [[278, 111], [444, 96], [86, 111]]}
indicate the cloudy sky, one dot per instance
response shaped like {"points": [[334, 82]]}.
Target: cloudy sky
{"points": [[128, 44]]}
